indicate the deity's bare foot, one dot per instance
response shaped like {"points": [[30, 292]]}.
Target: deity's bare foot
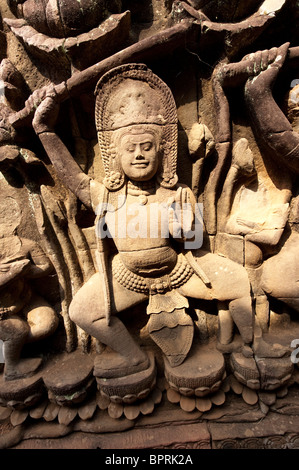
{"points": [[112, 364], [235, 346], [24, 368], [263, 349]]}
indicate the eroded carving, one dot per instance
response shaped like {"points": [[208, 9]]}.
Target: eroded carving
{"points": [[137, 130], [68, 34], [158, 286], [25, 316]]}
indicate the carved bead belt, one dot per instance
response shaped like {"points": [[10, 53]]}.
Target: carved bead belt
{"points": [[180, 274]]}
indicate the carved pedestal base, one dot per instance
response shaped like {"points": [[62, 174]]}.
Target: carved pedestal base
{"points": [[69, 379], [192, 403], [131, 411], [130, 388], [22, 393], [261, 373], [25, 368], [233, 417], [200, 374], [275, 373], [245, 370]]}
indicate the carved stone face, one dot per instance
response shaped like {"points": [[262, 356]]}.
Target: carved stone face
{"points": [[139, 156]]}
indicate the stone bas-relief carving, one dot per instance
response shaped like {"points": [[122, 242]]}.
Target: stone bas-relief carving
{"points": [[165, 215], [137, 137], [67, 34], [25, 316]]}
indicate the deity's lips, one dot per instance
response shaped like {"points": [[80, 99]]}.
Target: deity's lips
{"points": [[140, 164]]}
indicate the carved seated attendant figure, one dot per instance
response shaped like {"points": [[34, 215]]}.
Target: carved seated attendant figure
{"points": [[25, 316], [137, 131]]}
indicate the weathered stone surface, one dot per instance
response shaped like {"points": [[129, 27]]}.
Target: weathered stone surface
{"points": [[69, 373], [60, 19], [197, 377], [81, 50], [125, 321], [19, 390], [276, 425]]}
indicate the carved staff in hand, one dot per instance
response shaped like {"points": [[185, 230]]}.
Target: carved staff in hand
{"points": [[136, 122], [159, 44]]}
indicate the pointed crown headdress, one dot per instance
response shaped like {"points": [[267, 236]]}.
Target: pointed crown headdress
{"points": [[129, 97]]}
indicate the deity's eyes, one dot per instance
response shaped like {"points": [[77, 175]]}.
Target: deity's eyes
{"points": [[130, 148], [144, 146], [147, 146]]}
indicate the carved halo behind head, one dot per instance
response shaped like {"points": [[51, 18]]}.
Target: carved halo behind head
{"points": [[131, 96]]}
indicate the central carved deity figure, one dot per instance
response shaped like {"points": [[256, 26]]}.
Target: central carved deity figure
{"points": [[136, 122]]}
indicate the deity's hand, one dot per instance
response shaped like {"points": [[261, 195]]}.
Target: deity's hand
{"points": [[265, 66], [47, 108], [180, 214]]}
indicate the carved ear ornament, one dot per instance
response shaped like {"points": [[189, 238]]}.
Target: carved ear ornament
{"points": [[132, 96]]}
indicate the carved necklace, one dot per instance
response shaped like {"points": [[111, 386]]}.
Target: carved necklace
{"points": [[142, 189]]}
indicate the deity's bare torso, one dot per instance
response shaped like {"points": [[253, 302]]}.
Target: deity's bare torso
{"points": [[139, 222]]}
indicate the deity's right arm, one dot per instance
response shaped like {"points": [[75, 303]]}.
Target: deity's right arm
{"points": [[67, 169]]}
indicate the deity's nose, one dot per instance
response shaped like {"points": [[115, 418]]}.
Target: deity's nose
{"points": [[138, 153]]}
